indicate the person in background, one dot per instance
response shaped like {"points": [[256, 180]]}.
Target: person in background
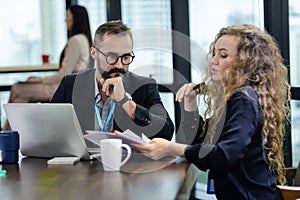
{"points": [[76, 50], [74, 57], [239, 139], [110, 97]]}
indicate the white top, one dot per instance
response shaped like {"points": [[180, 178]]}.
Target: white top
{"points": [[76, 58]]}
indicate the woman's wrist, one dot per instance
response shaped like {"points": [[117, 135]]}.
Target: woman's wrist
{"points": [[190, 104], [177, 149], [186, 147]]}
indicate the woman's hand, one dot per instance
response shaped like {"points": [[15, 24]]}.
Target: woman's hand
{"points": [[155, 149], [33, 79], [158, 148], [187, 93]]}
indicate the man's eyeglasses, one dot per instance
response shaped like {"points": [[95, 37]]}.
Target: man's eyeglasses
{"points": [[112, 58]]}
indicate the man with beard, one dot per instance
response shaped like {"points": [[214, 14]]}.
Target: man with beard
{"points": [[110, 97]]}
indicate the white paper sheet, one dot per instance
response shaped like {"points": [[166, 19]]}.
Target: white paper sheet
{"points": [[127, 137]]}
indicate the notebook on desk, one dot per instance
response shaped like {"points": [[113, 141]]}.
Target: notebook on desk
{"points": [[47, 130]]}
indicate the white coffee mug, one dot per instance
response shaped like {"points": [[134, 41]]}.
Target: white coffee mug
{"points": [[111, 154]]}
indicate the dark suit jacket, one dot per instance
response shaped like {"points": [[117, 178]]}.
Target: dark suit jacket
{"points": [[151, 118]]}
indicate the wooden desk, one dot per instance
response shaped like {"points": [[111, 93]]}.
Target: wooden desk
{"points": [[39, 68], [24, 69], [32, 178]]}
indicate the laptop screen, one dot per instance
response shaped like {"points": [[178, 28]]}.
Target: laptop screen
{"points": [[47, 130]]}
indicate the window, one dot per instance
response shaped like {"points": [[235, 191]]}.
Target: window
{"points": [[295, 122], [294, 20], [31, 28], [294, 27], [25, 37], [97, 13], [206, 19], [150, 22]]}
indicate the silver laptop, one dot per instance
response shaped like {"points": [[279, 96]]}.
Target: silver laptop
{"points": [[47, 130]]}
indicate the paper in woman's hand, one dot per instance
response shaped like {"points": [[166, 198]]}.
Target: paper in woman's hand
{"points": [[127, 137]]}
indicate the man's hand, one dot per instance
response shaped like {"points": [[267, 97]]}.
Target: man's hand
{"points": [[113, 87]]}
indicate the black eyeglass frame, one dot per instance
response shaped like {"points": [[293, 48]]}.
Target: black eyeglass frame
{"points": [[116, 57]]}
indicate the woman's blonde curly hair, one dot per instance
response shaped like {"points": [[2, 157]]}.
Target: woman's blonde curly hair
{"points": [[259, 65]]}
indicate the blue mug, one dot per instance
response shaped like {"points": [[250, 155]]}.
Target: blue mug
{"points": [[9, 146]]}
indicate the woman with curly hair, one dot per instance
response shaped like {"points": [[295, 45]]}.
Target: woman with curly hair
{"points": [[239, 139]]}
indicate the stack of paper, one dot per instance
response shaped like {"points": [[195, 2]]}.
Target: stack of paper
{"points": [[63, 160]]}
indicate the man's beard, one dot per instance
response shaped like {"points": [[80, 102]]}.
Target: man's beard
{"points": [[117, 71]]}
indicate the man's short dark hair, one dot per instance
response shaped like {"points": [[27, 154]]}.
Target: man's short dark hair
{"points": [[111, 27]]}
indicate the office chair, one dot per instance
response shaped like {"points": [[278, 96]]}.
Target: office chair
{"points": [[291, 192]]}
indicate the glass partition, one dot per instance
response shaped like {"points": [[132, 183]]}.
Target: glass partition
{"points": [[294, 31], [294, 20], [97, 13], [150, 22], [295, 122], [31, 28], [208, 17]]}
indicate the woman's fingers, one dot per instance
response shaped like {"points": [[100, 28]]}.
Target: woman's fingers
{"points": [[185, 91]]}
